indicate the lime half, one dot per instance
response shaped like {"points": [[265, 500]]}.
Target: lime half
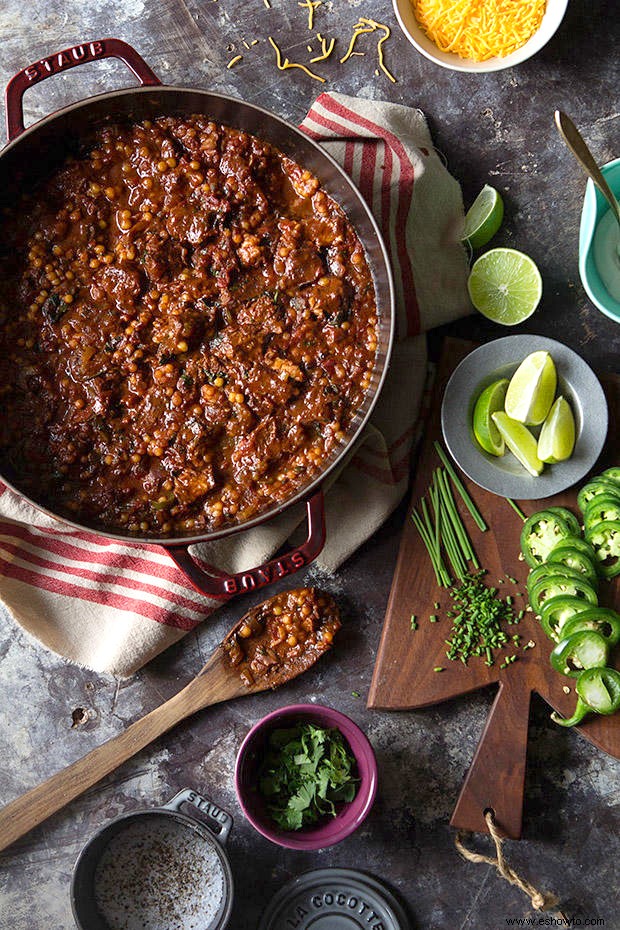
{"points": [[532, 389], [520, 442], [483, 218], [486, 432], [505, 286], [557, 437]]}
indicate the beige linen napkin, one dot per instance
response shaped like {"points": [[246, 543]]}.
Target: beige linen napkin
{"points": [[112, 607]]}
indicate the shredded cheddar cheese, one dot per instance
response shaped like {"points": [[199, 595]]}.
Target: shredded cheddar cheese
{"points": [[311, 6], [326, 49], [479, 29], [283, 64], [365, 25], [233, 61]]}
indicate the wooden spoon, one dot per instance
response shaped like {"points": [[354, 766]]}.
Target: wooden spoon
{"points": [[257, 654]]}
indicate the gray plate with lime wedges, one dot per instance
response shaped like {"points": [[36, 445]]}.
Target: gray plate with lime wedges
{"points": [[505, 475]]}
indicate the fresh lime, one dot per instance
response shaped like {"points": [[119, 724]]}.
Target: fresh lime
{"points": [[505, 286], [485, 430], [520, 441], [557, 436], [483, 218], [532, 389]]}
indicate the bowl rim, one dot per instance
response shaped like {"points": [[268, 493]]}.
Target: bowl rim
{"points": [[457, 432], [315, 838], [552, 19], [594, 206]]}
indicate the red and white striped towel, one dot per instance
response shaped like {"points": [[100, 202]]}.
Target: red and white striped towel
{"points": [[113, 607]]}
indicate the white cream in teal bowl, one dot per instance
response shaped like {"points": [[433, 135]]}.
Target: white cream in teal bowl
{"points": [[599, 246]]}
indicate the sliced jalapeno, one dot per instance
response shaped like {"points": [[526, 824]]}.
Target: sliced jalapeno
{"points": [[569, 518], [555, 585], [598, 691], [602, 620], [612, 473], [548, 569], [556, 612], [595, 487], [540, 533], [601, 508], [586, 649], [570, 556], [605, 538]]}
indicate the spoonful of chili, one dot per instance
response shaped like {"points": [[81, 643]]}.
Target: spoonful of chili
{"points": [[271, 644]]}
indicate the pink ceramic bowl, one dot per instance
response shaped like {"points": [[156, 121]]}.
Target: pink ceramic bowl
{"points": [[330, 831]]}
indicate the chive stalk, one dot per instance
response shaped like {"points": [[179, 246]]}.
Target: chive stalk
{"points": [[460, 487]]}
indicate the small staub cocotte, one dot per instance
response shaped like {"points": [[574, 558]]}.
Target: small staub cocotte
{"points": [[507, 411]]}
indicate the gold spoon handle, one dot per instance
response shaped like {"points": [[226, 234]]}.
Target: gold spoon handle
{"points": [[574, 140]]}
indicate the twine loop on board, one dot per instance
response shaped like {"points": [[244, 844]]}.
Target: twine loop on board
{"points": [[541, 901]]}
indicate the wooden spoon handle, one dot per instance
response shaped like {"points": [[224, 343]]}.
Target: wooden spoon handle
{"points": [[46, 799], [497, 775]]}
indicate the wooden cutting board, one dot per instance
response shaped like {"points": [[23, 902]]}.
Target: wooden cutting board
{"points": [[404, 675]]}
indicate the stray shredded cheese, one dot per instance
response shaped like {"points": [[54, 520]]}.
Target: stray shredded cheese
{"points": [[326, 49], [233, 61], [267, 4], [365, 25], [283, 64], [479, 29], [311, 6]]}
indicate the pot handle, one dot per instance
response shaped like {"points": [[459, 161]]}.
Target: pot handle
{"points": [[62, 61], [218, 584], [217, 820]]}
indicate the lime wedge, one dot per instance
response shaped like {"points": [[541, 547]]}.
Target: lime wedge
{"points": [[520, 441], [486, 432], [483, 218], [557, 436], [505, 286], [532, 389]]}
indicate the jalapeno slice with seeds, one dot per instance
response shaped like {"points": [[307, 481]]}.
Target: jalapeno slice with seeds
{"points": [[540, 533], [613, 474], [602, 620], [557, 611], [601, 508], [598, 691], [605, 538], [586, 649], [572, 557], [594, 488], [569, 518], [555, 585], [548, 569]]}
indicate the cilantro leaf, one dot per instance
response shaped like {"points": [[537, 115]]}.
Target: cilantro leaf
{"points": [[306, 773]]}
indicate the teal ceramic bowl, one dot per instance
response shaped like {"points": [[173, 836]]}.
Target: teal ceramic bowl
{"points": [[594, 207]]}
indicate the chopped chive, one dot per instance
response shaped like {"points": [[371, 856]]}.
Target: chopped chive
{"points": [[521, 615], [511, 579], [516, 509], [439, 668], [458, 484], [509, 599], [432, 618], [355, 693], [436, 605]]}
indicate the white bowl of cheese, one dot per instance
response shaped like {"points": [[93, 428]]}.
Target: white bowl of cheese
{"points": [[451, 15]]}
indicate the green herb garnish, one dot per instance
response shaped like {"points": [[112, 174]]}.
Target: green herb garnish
{"points": [[306, 772]]}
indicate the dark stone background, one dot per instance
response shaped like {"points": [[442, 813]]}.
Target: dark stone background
{"points": [[496, 128]]}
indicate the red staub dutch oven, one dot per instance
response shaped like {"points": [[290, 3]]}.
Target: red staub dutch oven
{"points": [[33, 152]]}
